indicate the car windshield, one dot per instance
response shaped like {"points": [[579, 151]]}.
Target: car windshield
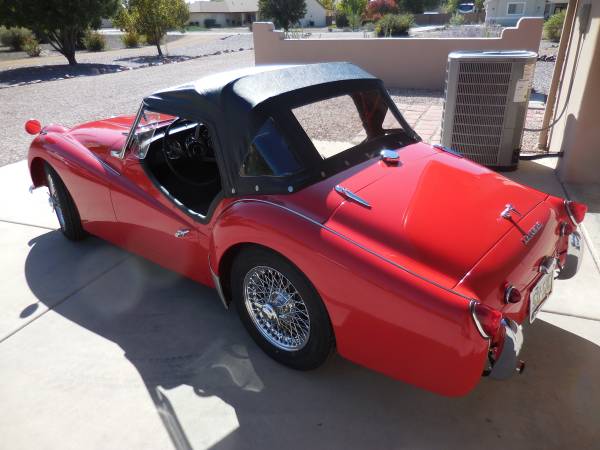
{"points": [[340, 123], [143, 134]]}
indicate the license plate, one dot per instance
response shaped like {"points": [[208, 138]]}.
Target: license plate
{"points": [[539, 293]]}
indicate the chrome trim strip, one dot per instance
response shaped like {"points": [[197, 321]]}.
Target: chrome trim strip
{"points": [[332, 231], [476, 320], [507, 292], [566, 203], [218, 287], [121, 153], [107, 166], [348, 194]]}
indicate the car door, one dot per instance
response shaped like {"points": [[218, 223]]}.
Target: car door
{"points": [[151, 226]]}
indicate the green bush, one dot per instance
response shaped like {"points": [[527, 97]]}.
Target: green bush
{"points": [[394, 25], [32, 47], [457, 19], [131, 39], [150, 40], [94, 41], [553, 26], [15, 37], [341, 20]]}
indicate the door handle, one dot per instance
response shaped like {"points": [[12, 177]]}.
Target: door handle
{"points": [[181, 233]]}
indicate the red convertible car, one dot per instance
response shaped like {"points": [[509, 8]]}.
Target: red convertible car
{"points": [[303, 196]]}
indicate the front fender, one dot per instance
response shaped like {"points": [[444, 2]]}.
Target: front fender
{"points": [[86, 177], [384, 318]]}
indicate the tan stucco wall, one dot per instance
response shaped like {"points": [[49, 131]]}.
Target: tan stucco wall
{"points": [[577, 133], [399, 62]]}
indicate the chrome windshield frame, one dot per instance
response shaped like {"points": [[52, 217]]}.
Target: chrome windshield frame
{"points": [[121, 153]]}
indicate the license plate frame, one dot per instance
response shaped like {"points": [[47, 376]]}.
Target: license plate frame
{"points": [[539, 293]]}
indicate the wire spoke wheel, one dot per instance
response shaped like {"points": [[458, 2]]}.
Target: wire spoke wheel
{"points": [[55, 202], [276, 308]]}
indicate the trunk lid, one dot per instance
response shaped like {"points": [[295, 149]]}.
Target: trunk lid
{"points": [[437, 216]]}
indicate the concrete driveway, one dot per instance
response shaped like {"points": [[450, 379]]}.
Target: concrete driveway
{"points": [[100, 349]]}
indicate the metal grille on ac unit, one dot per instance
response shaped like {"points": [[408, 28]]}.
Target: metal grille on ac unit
{"points": [[486, 104]]}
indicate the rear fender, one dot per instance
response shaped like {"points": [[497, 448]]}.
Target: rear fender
{"points": [[383, 317]]}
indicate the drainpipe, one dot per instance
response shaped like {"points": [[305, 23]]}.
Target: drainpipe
{"points": [[557, 75]]}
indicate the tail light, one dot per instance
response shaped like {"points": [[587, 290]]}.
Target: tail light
{"points": [[488, 321], [576, 211], [512, 294]]}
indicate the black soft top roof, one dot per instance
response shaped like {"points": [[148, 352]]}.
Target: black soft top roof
{"points": [[234, 105], [247, 88]]}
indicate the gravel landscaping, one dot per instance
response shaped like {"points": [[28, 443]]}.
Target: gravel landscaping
{"points": [[69, 102], [117, 89], [183, 48]]}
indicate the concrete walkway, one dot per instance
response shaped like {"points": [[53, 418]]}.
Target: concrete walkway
{"points": [[100, 349]]}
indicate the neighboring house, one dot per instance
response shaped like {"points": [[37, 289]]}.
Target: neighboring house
{"points": [[233, 13], [224, 13], [555, 6], [508, 12]]}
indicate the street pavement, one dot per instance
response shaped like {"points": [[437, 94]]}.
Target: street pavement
{"points": [[100, 349]]}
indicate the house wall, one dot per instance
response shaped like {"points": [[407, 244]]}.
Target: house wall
{"points": [[577, 132], [219, 18], [314, 13], [497, 11], [399, 62]]}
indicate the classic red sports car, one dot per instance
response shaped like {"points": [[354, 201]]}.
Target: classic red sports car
{"points": [[332, 230]]}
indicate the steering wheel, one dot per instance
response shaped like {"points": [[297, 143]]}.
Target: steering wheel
{"points": [[169, 156]]}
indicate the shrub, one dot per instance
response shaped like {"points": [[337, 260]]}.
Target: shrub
{"points": [[394, 25], [151, 40], [341, 20], [553, 26], [94, 41], [457, 19], [131, 39], [376, 9], [32, 47], [15, 37]]}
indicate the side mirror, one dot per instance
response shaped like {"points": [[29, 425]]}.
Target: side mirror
{"points": [[33, 126]]}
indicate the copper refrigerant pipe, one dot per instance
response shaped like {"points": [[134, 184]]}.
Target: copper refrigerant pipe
{"points": [[565, 39]]}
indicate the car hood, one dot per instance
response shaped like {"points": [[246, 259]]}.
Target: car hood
{"points": [[436, 216], [102, 136]]}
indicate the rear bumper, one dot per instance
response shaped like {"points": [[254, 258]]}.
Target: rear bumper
{"points": [[573, 258], [508, 363]]}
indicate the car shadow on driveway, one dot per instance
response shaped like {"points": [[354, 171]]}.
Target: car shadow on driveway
{"points": [[176, 333]]}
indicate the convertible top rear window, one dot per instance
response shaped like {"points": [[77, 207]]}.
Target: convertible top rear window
{"points": [[337, 124]]}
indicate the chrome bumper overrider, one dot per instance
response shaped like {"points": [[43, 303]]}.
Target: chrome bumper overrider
{"points": [[508, 362], [573, 257]]}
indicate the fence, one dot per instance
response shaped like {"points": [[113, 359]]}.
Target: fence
{"points": [[399, 62]]}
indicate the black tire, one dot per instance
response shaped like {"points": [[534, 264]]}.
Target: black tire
{"points": [[320, 342], [70, 225]]}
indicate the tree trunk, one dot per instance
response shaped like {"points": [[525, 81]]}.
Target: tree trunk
{"points": [[158, 48], [70, 55]]}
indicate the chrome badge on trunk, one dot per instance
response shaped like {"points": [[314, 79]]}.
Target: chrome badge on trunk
{"points": [[531, 233]]}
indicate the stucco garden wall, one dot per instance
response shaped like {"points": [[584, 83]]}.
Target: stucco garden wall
{"points": [[399, 62]]}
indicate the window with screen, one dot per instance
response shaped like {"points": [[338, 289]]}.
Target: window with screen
{"points": [[516, 8], [337, 124], [269, 154]]}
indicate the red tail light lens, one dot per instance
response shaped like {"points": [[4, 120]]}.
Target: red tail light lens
{"points": [[576, 211], [512, 295], [488, 321]]}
